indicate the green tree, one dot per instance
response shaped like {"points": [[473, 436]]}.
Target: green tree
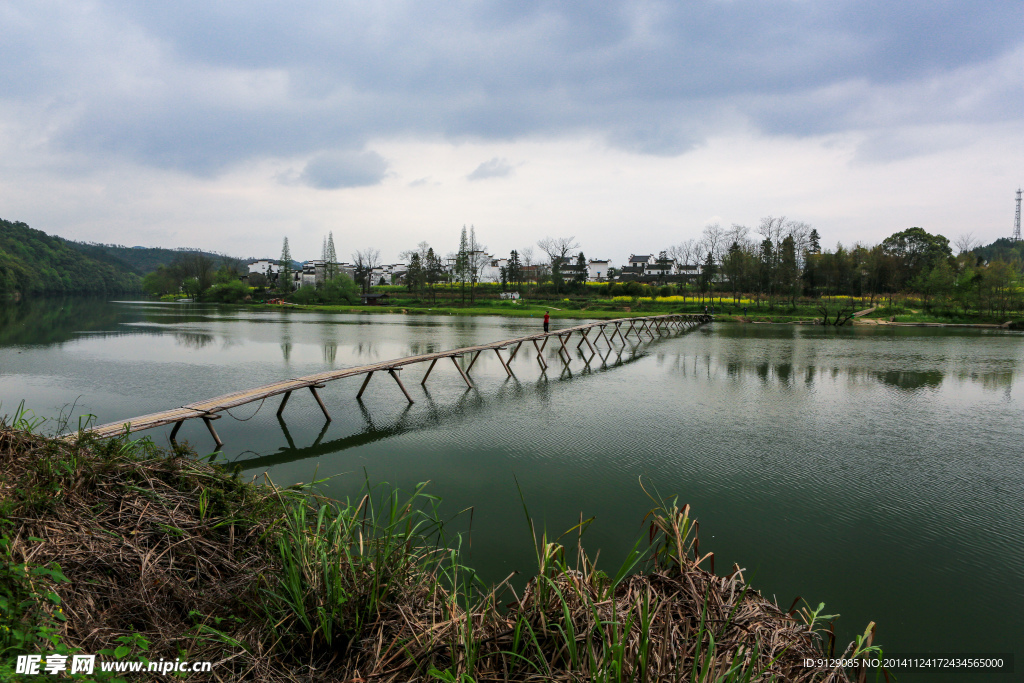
{"points": [[579, 275], [414, 274], [433, 272], [915, 251], [515, 269], [787, 271], [462, 264], [284, 276]]}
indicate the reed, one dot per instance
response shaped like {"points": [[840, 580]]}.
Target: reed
{"points": [[168, 555]]}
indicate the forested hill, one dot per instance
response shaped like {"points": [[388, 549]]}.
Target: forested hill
{"points": [[140, 260], [34, 263]]}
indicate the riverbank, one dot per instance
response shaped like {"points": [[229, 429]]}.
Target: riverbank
{"points": [[864, 310], [122, 549]]}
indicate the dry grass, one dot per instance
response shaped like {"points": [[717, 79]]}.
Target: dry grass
{"points": [[278, 585]]}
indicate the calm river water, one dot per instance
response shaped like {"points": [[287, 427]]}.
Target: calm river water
{"points": [[877, 470]]}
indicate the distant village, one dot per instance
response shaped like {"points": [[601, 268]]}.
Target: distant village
{"points": [[649, 268]]}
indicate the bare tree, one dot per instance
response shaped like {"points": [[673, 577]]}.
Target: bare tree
{"points": [[965, 242], [365, 261], [684, 252], [713, 241], [422, 248], [739, 234], [558, 250], [477, 259]]}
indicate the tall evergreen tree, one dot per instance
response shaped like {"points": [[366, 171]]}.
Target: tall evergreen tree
{"points": [[284, 278], [814, 240], [414, 276], [579, 276], [330, 258], [462, 262], [515, 268]]}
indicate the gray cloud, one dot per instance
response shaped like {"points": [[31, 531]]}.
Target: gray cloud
{"points": [[495, 168], [334, 170], [202, 86]]}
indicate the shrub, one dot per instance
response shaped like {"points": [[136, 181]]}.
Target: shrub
{"points": [[227, 292]]}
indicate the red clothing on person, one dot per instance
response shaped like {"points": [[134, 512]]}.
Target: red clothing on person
{"points": [[547, 318]]}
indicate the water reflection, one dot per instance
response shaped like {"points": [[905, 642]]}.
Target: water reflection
{"points": [[330, 352], [787, 372], [465, 408], [193, 340]]}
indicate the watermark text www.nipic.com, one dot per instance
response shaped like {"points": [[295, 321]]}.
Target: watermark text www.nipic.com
{"points": [[89, 664]]}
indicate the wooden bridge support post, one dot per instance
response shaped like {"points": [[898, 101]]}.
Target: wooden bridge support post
{"points": [[473, 362], [319, 401], [562, 338], [365, 382], [591, 346], [401, 386], [540, 356], [512, 356], [174, 431], [431, 367], [284, 400], [208, 419], [459, 368], [502, 361]]}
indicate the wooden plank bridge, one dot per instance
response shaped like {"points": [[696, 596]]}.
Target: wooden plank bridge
{"points": [[209, 410]]}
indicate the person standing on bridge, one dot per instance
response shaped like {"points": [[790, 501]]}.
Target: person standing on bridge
{"points": [[547, 320]]}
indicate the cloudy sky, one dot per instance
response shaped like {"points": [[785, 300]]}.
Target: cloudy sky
{"points": [[230, 125]]}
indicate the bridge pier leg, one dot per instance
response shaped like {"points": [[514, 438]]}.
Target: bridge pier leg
{"points": [[514, 352], [568, 355], [213, 432], [502, 361], [401, 386], [174, 431], [583, 337], [473, 362], [464, 375], [319, 401], [284, 401], [432, 363], [591, 346], [365, 382], [540, 356]]}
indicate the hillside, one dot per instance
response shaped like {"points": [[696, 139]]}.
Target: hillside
{"points": [[140, 260], [1003, 249], [34, 263]]}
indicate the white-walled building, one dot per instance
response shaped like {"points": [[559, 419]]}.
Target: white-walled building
{"points": [[597, 270], [491, 271], [264, 267]]}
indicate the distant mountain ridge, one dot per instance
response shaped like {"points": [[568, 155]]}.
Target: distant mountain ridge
{"points": [[141, 260]]}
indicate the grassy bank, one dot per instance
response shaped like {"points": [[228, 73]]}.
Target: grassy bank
{"points": [[125, 550], [725, 309]]}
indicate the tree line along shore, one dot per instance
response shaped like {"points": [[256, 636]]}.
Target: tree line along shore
{"points": [[121, 549], [910, 277]]}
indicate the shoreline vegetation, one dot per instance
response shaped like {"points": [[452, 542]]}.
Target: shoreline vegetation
{"points": [[804, 313], [120, 548]]}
